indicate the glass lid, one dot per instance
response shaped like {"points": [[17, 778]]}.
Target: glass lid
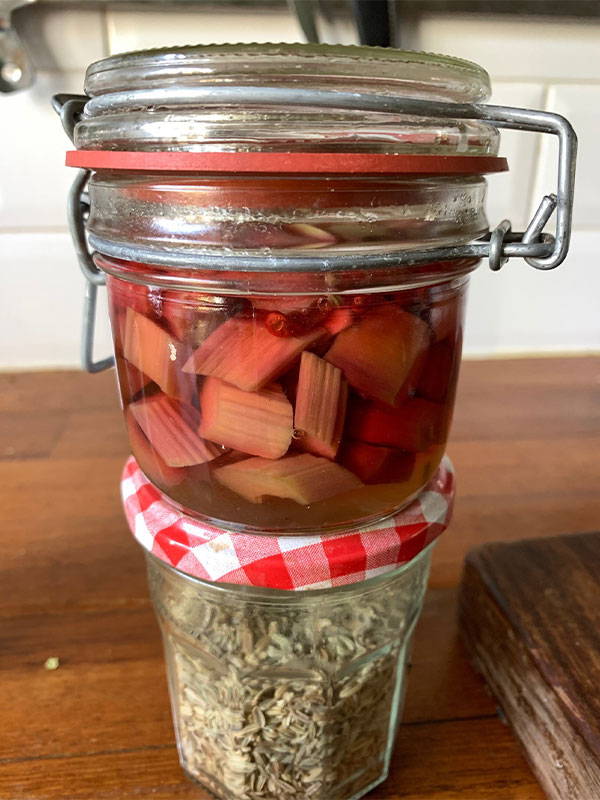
{"points": [[152, 100]]}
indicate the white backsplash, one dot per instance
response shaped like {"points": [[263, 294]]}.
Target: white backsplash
{"points": [[545, 64]]}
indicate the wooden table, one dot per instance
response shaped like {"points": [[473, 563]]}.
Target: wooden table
{"points": [[526, 446]]}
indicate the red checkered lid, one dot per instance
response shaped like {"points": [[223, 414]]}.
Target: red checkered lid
{"points": [[308, 561]]}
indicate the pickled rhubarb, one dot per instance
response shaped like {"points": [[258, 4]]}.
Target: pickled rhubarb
{"points": [[444, 318], [135, 296], [266, 236], [157, 354], [438, 376], [131, 381], [381, 497], [191, 316], [258, 423], [320, 406], [311, 235], [303, 478], [338, 320], [376, 464], [148, 459], [171, 429], [378, 353], [288, 412], [415, 425], [247, 355]]}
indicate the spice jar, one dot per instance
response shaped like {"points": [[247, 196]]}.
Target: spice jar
{"points": [[287, 679], [287, 233]]}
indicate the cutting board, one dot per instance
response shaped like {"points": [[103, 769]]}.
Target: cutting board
{"points": [[530, 618]]}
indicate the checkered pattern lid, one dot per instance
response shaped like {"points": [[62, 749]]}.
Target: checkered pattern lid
{"points": [[314, 561]]}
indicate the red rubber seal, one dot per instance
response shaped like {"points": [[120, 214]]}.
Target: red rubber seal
{"points": [[305, 163]]}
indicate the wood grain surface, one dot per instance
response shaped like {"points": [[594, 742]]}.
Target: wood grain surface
{"points": [[526, 445], [530, 615]]}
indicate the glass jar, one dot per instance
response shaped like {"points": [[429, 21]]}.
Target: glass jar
{"points": [[291, 412], [287, 694], [280, 370]]}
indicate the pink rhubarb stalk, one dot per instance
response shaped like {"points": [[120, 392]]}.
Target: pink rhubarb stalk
{"points": [[258, 423], [245, 354], [320, 406], [378, 352], [374, 464], [157, 354], [170, 427], [303, 478], [131, 381], [338, 320], [148, 459]]}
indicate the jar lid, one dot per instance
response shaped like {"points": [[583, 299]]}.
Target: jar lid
{"points": [[293, 563], [241, 98], [440, 76]]}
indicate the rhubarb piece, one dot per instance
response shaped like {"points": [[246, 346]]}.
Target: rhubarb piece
{"points": [[438, 377], [352, 231], [338, 320], [375, 464], [133, 295], [377, 353], [258, 423], [444, 318], [303, 478], [157, 354], [321, 398], [283, 302], [130, 379], [311, 235], [298, 321], [171, 428], [246, 355], [261, 235], [148, 459], [415, 425], [383, 498], [192, 316]]}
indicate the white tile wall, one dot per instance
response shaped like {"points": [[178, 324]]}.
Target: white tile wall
{"points": [[62, 38], [515, 48], [509, 193], [533, 63], [581, 105], [522, 310], [33, 178], [132, 30], [42, 291]]}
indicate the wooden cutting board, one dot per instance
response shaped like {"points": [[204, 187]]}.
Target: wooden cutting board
{"points": [[530, 617]]}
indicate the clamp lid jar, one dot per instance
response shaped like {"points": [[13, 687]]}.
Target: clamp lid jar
{"points": [[288, 232]]}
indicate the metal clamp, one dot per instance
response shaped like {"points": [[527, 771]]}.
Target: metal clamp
{"points": [[78, 210], [69, 107], [541, 251], [548, 256]]}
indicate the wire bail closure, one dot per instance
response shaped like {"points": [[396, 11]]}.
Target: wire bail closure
{"points": [[540, 250]]}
